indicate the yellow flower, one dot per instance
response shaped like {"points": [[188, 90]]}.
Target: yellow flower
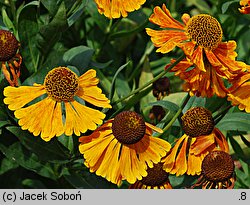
{"points": [[245, 7], [157, 178], [200, 137], [200, 37], [217, 171], [239, 92], [118, 8], [200, 83], [123, 148], [10, 57], [59, 112]]}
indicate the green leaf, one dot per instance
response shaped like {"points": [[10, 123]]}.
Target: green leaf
{"points": [[51, 151], [49, 34], [235, 121], [100, 20], [146, 76], [28, 22], [168, 105], [7, 21], [195, 102], [112, 89], [236, 147], [33, 184], [226, 5], [79, 57], [6, 165], [18, 154], [86, 180]]}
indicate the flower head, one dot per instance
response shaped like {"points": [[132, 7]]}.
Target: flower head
{"points": [[200, 37], [245, 7], [123, 148], [161, 88], [157, 178], [118, 8], [200, 137], [9, 57], [59, 112], [217, 171]]}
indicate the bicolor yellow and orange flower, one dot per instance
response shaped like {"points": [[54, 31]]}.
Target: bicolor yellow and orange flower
{"points": [[10, 58], [53, 108], [123, 148], [239, 93], [200, 37], [118, 8], [200, 138], [245, 7]]}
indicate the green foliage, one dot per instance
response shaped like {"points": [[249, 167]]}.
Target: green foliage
{"points": [[74, 34]]}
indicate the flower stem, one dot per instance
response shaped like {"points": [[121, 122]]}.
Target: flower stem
{"points": [[176, 115], [151, 81], [221, 114]]}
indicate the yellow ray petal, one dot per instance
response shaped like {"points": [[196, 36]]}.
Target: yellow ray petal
{"points": [[80, 118], [94, 96], [43, 117], [17, 97]]}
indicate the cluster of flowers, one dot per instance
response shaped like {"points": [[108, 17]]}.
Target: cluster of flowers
{"points": [[124, 148]]}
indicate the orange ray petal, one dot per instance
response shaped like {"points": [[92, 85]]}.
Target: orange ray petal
{"points": [[180, 166], [197, 58], [169, 160], [164, 19], [202, 143]]}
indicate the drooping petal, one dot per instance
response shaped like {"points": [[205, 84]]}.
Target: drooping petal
{"points": [[49, 123], [197, 58], [80, 118], [89, 91], [17, 97], [194, 162], [166, 40], [180, 166], [169, 160], [201, 144]]}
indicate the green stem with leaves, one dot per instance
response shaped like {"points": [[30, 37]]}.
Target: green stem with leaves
{"points": [[176, 115], [151, 81]]}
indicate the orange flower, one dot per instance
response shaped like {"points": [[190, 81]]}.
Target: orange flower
{"points": [[123, 148], [118, 8], [200, 83], [200, 137], [239, 92], [217, 171], [245, 9], [200, 37], [10, 57]]}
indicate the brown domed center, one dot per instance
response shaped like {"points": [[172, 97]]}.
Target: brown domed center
{"points": [[156, 176], [197, 121], [8, 45], [61, 84], [128, 127], [217, 166], [205, 30]]}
